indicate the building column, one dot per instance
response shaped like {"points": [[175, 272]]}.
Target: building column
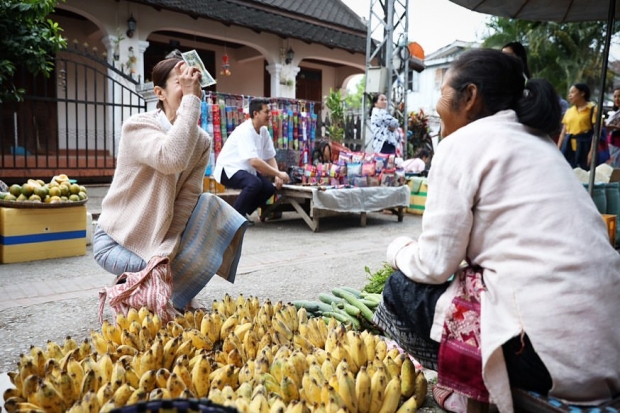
{"points": [[275, 71], [142, 46]]}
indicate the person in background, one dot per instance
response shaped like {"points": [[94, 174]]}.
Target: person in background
{"points": [[247, 161], [518, 50], [385, 138], [523, 257], [157, 189], [417, 164], [613, 126], [576, 135]]}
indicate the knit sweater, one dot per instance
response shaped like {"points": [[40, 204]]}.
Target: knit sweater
{"points": [[157, 182]]}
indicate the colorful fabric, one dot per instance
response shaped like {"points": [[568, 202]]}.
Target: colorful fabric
{"points": [[150, 288], [460, 359]]}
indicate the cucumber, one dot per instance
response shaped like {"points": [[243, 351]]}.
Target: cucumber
{"points": [[312, 306], [366, 312], [369, 303], [343, 317], [372, 297], [351, 309], [357, 293], [329, 298]]}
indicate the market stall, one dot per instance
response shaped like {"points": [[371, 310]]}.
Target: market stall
{"points": [[315, 202]]}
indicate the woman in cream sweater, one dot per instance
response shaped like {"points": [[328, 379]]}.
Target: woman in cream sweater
{"points": [[158, 180]]}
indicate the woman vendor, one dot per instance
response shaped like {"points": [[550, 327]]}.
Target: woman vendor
{"points": [[533, 308]]}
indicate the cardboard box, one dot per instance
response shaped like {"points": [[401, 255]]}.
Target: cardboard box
{"points": [[29, 234], [612, 225], [417, 202], [209, 184]]}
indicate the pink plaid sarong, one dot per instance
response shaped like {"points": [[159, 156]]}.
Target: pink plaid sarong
{"points": [[460, 358]]}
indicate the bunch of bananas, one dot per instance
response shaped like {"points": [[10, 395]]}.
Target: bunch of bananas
{"points": [[256, 358]]}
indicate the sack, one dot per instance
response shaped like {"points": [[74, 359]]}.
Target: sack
{"points": [[150, 288], [460, 357]]}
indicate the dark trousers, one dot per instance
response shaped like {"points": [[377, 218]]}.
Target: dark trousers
{"points": [[388, 148], [255, 190]]}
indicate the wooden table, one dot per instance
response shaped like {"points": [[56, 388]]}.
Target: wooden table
{"points": [[313, 203]]}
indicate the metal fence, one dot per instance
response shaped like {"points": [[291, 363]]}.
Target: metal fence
{"points": [[69, 122]]}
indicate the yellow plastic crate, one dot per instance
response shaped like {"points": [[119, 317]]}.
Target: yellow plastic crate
{"points": [[417, 202], [29, 234]]}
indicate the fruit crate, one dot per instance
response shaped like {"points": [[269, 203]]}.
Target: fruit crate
{"points": [[30, 234], [417, 201]]}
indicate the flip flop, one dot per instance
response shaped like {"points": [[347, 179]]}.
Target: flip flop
{"points": [[440, 394]]}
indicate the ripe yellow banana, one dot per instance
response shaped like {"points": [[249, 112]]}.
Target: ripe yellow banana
{"points": [[362, 390], [122, 394], [148, 381], [161, 376], [391, 366], [259, 404], [244, 391], [170, 350], [391, 397], [421, 388], [409, 406], [199, 341], [69, 345], [104, 394], [378, 383], [53, 350], [181, 370], [48, 398], [175, 385], [346, 390], [381, 349], [131, 377], [407, 377], [228, 326]]}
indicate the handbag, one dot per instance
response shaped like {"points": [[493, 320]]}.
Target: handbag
{"points": [[460, 357], [150, 288]]}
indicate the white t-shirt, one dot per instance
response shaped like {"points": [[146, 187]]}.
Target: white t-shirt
{"points": [[242, 145]]}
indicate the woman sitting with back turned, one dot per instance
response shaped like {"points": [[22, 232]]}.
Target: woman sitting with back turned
{"points": [[541, 268]]}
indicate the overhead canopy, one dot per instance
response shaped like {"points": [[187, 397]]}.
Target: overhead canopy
{"points": [[543, 10]]}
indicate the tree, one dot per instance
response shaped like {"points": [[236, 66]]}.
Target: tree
{"points": [[562, 53], [354, 100], [29, 39]]}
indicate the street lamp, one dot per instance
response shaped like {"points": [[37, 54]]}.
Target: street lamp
{"points": [[132, 25], [290, 54]]}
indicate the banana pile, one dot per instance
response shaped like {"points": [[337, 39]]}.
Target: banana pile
{"points": [[255, 358]]}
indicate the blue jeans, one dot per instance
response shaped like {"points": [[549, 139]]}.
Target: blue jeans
{"points": [[113, 257], [255, 190]]}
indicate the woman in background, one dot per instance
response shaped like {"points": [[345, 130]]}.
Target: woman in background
{"points": [[385, 138], [613, 126], [578, 121]]}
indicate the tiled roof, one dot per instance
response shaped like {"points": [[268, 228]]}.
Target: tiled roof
{"points": [[327, 22]]}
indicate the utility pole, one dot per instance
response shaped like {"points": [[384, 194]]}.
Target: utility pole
{"points": [[387, 58]]}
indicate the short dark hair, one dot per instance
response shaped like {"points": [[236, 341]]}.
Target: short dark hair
{"points": [[499, 81], [160, 75], [583, 88], [256, 105], [424, 153]]}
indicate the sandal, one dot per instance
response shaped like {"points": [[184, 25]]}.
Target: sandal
{"points": [[449, 400], [440, 394]]}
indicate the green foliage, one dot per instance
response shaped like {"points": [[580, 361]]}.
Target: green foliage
{"points": [[562, 53], [29, 39], [335, 103], [377, 280], [354, 100]]}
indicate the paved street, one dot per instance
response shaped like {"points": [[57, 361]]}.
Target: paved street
{"points": [[281, 260]]}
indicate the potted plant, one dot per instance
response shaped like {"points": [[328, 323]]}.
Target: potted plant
{"points": [[335, 103]]}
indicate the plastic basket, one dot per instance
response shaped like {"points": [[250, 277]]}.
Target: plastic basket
{"points": [[176, 405]]}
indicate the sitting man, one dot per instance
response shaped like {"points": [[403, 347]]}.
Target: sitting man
{"points": [[247, 161]]}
